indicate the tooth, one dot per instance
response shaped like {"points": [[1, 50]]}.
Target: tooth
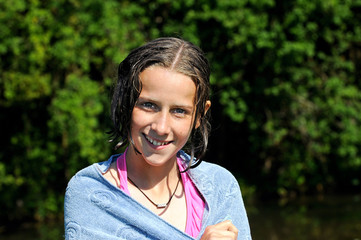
{"points": [[156, 143]]}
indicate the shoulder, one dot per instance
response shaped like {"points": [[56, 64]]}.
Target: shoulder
{"points": [[215, 168], [214, 174], [86, 188], [89, 176], [211, 176]]}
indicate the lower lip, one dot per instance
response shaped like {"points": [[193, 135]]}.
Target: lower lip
{"points": [[160, 147]]}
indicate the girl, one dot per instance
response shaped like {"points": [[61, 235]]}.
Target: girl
{"points": [[154, 190]]}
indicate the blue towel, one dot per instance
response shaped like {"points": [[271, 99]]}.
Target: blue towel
{"points": [[95, 209]]}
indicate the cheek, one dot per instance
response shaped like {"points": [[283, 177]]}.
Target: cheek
{"points": [[136, 121], [185, 130]]}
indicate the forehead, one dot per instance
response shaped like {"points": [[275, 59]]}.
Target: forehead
{"points": [[167, 85]]}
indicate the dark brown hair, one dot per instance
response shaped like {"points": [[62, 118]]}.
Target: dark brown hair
{"points": [[175, 54]]}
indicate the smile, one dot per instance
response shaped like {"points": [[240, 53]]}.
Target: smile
{"points": [[154, 142]]}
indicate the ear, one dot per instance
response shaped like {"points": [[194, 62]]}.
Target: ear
{"points": [[206, 108]]}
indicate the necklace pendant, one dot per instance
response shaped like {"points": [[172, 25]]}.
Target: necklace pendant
{"points": [[161, 205]]}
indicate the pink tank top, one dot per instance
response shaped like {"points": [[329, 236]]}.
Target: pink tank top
{"points": [[194, 201]]}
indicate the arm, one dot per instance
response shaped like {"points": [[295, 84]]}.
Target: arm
{"points": [[226, 217]]}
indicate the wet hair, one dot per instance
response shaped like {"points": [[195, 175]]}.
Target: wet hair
{"points": [[174, 54]]}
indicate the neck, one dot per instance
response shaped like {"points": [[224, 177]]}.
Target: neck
{"points": [[149, 176]]}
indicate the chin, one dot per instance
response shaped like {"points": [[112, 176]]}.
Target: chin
{"points": [[157, 161]]}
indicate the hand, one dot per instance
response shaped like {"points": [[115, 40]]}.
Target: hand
{"points": [[223, 230]]}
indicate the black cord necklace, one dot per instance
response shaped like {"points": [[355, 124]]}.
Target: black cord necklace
{"points": [[160, 205]]}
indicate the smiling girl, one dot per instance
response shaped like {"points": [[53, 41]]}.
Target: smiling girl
{"points": [[158, 188]]}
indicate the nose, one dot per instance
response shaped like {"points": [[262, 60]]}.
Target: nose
{"points": [[161, 123]]}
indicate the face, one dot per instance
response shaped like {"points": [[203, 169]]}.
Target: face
{"points": [[163, 115]]}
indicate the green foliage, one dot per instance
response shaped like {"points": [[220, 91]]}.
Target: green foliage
{"points": [[285, 81], [74, 115], [289, 71], [57, 59]]}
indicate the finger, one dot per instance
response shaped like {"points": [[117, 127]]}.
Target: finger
{"points": [[225, 228], [232, 228], [214, 232], [226, 225]]}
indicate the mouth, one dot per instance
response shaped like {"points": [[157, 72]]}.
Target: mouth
{"points": [[156, 143]]}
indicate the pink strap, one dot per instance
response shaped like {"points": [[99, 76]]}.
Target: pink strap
{"points": [[195, 203], [122, 172], [194, 200]]}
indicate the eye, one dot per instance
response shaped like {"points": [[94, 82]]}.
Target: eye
{"points": [[147, 106], [179, 112]]}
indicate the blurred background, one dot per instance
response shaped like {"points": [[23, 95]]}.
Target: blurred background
{"points": [[286, 104]]}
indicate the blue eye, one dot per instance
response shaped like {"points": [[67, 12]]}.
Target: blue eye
{"points": [[179, 111], [148, 105]]}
